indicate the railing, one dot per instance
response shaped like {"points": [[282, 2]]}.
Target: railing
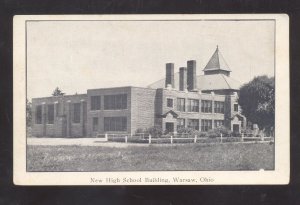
{"points": [[183, 138]]}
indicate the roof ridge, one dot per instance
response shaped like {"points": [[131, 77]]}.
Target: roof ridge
{"points": [[218, 57], [228, 68], [217, 62], [226, 80]]}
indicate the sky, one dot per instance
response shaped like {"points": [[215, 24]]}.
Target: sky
{"points": [[80, 55]]}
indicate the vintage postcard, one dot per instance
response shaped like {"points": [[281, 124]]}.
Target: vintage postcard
{"points": [[151, 99]]}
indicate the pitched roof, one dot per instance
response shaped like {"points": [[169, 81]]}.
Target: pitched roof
{"points": [[239, 115], [217, 82], [173, 113], [217, 62], [204, 82]]}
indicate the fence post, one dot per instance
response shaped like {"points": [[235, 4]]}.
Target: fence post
{"points": [[221, 138], [195, 139], [126, 139], [171, 139], [106, 137], [262, 137], [149, 139], [242, 137]]}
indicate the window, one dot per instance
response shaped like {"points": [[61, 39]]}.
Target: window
{"points": [[76, 113], [115, 124], [95, 102], [193, 123], [115, 102], [38, 114], [206, 125], [57, 107], [219, 123], [169, 127], [170, 102], [219, 107], [193, 105], [84, 111], [181, 104], [180, 123], [236, 108], [206, 106], [95, 124], [50, 113]]}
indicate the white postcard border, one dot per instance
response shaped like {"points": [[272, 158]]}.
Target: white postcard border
{"points": [[282, 120]]}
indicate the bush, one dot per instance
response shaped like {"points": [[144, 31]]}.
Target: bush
{"points": [[154, 131], [202, 134], [213, 134], [191, 132], [248, 132], [218, 131], [223, 130], [167, 134], [183, 141], [28, 131], [137, 140], [140, 130], [185, 130]]}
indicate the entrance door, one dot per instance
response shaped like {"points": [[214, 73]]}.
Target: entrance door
{"points": [[95, 125], [64, 126], [236, 128], [169, 127]]}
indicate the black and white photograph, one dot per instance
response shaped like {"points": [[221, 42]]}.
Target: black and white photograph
{"points": [[151, 99]]}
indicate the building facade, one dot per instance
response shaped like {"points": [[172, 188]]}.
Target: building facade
{"points": [[179, 100]]}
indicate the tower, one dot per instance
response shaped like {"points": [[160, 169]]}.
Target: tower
{"points": [[217, 65]]}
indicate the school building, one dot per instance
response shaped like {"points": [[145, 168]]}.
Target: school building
{"points": [[181, 99]]}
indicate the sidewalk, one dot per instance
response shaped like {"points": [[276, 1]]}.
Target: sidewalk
{"points": [[78, 142], [103, 143]]}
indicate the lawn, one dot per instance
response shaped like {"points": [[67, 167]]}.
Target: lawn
{"points": [[216, 157]]}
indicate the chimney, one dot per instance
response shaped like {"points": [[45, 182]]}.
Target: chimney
{"points": [[170, 75], [191, 75], [182, 79]]}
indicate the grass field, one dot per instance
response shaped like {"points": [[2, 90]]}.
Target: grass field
{"points": [[215, 157]]}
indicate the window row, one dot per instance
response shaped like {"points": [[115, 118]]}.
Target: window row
{"points": [[111, 102], [219, 107], [115, 124], [111, 124], [49, 113], [193, 105], [194, 124]]}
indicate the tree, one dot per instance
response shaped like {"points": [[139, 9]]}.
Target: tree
{"points": [[57, 92], [257, 100], [28, 113]]}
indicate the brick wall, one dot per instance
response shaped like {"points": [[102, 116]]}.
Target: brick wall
{"points": [[37, 130], [62, 117], [174, 94], [142, 108], [158, 107], [107, 113]]}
